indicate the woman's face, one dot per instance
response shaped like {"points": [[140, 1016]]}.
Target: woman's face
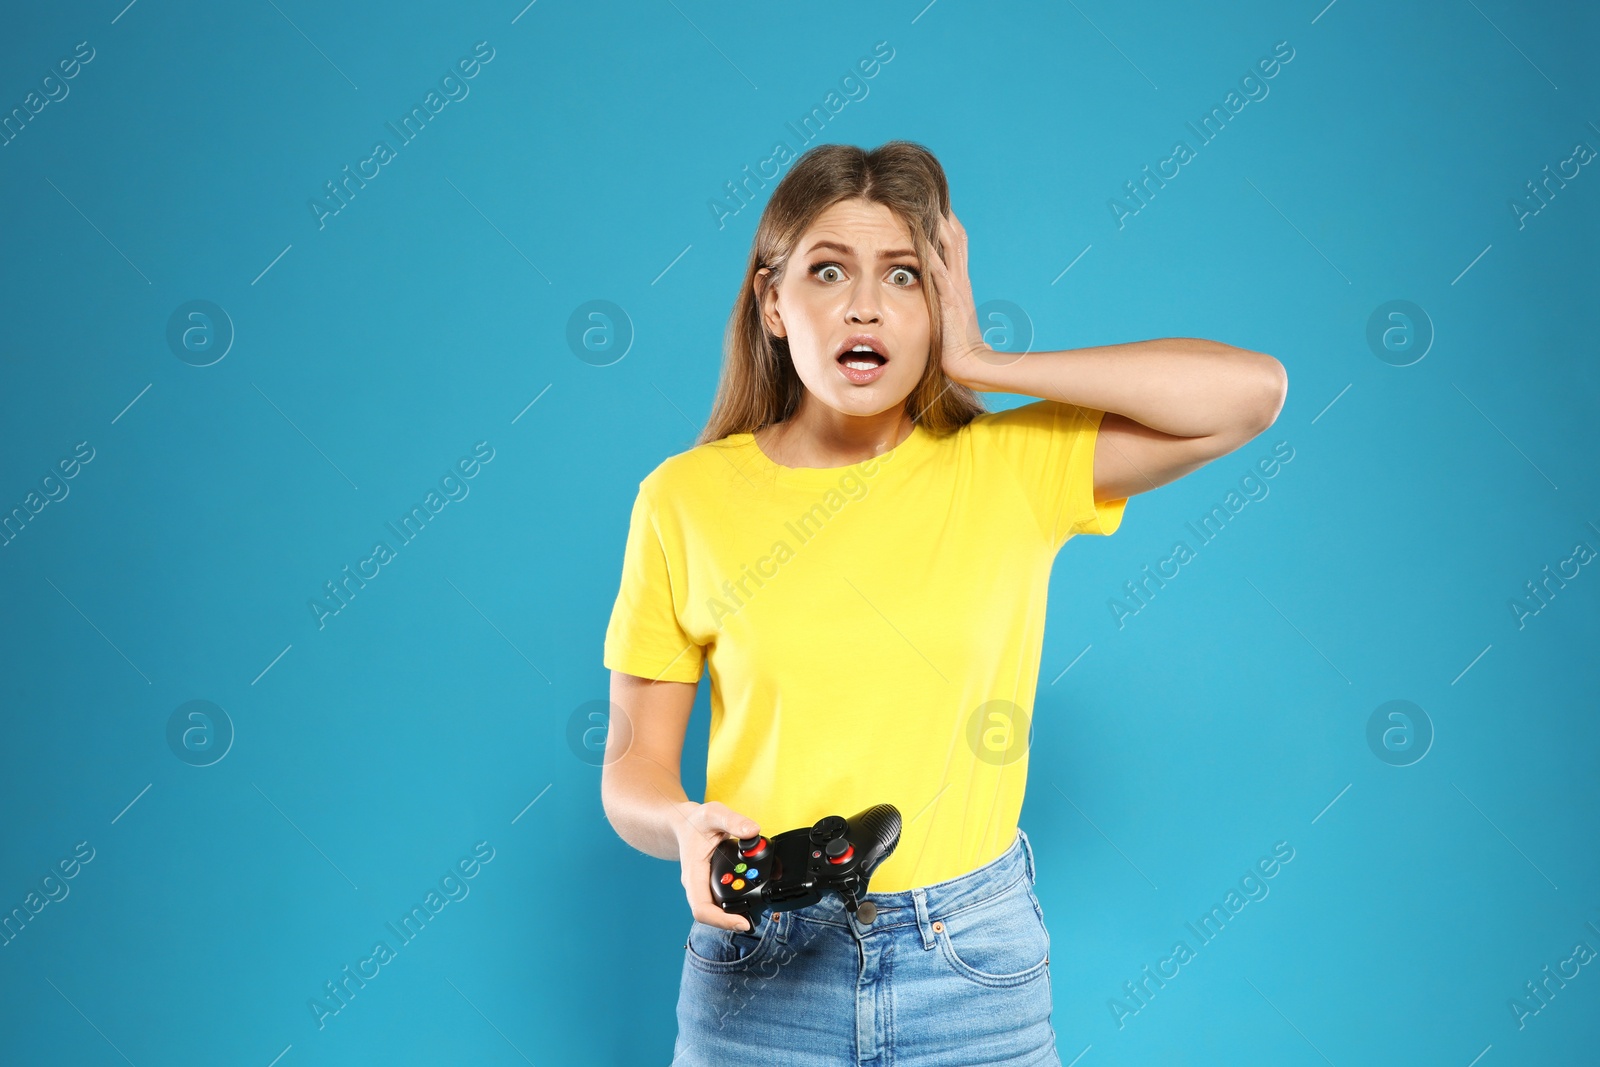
{"points": [[853, 277]]}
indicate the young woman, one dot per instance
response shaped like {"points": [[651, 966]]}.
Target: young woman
{"points": [[860, 553]]}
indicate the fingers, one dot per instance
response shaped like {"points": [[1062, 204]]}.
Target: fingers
{"points": [[711, 915], [697, 889], [953, 225], [715, 819], [955, 242], [719, 816], [704, 909], [944, 259]]}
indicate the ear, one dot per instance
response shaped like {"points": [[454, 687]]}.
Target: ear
{"points": [[767, 295]]}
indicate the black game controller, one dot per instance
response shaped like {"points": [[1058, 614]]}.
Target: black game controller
{"points": [[794, 869]]}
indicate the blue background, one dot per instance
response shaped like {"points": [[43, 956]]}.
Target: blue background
{"points": [[436, 709]]}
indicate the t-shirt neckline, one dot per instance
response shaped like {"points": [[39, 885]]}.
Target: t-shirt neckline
{"points": [[913, 445]]}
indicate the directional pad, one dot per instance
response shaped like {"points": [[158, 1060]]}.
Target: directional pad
{"points": [[828, 826]]}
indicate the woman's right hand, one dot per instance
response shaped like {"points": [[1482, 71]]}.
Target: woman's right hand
{"points": [[702, 828]]}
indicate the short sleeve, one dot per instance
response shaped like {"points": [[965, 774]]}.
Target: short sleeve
{"points": [[644, 637], [1049, 447]]}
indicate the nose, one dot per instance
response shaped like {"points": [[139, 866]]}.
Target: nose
{"points": [[864, 304]]}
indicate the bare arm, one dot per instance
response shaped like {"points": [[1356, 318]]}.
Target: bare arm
{"points": [[1172, 405], [1179, 386], [641, 789], [641, 785]]}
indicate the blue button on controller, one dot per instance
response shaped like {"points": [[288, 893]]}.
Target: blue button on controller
{"points": [[752, 873]]}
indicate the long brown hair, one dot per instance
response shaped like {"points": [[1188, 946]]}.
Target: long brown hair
{"points": [[759, 385]]}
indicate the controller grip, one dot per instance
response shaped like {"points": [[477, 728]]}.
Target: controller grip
{"points": [[743, 911], [876, 831]]}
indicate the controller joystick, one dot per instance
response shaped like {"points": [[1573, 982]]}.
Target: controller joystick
{"points": [[795, 868]]}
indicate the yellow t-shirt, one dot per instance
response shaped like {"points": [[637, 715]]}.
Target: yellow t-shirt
{"points": [[873, 631]]}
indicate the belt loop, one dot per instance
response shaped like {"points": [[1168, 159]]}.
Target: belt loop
{"points": [[919, 897], [1027, 851]]}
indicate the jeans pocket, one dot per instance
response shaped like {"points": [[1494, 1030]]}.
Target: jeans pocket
{"points": [[999, 942], [720, 951]]}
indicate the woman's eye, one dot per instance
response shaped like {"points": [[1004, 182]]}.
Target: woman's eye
{"points": [[832, 272]]}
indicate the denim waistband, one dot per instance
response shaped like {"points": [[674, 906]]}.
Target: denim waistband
{"points": [[915, 905]]}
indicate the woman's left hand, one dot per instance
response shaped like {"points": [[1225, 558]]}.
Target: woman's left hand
{"points": [[962, 357]]}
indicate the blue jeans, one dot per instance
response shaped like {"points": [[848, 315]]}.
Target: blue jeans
{"points": [[952, 973]]}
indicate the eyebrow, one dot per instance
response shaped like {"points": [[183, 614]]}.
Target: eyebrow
{"points": [[893, 253]]}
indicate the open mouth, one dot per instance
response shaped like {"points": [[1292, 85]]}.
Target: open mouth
{"points": [[862, 354]]}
